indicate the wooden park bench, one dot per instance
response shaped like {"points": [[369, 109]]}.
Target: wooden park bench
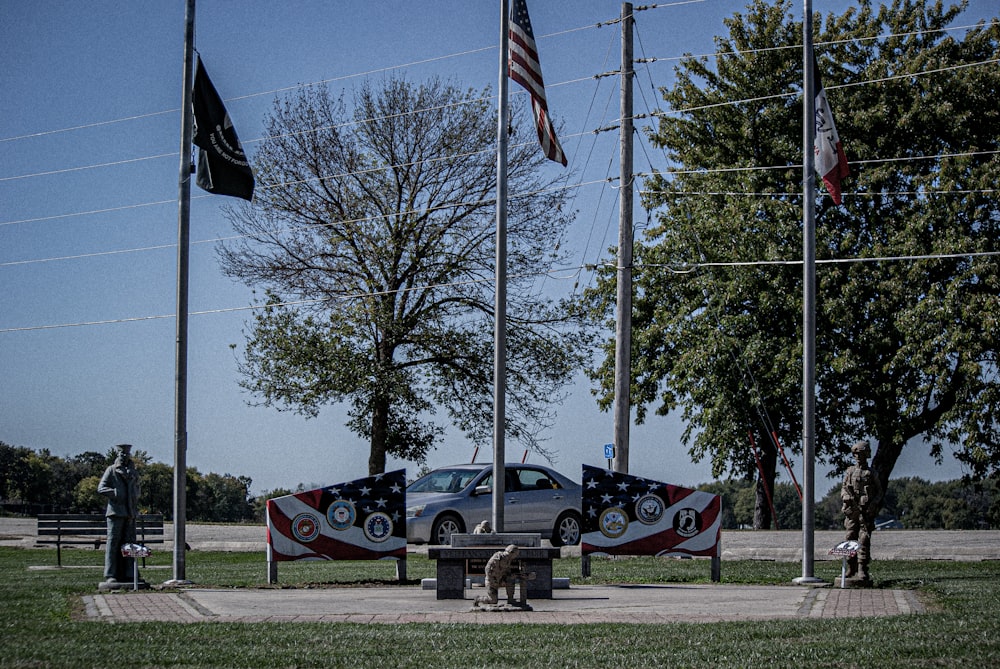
{"points": [[468, 553], [92, 529]]}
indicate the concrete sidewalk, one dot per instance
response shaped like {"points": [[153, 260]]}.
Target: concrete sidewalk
{"points": [[577, 605]]}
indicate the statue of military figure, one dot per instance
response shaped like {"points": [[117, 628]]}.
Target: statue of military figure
{"points": [[501, 572], [120, 484], [861, 495]]}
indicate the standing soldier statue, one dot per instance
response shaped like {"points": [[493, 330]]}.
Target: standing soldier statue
{"points": [[120, 484], [861, 495]]}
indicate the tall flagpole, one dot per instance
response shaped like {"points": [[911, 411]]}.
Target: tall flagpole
{"points": [[808, 299], [500, 306], [183, 241]]}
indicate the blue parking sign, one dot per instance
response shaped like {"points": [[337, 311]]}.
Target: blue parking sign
{"points": [[609, 451]]}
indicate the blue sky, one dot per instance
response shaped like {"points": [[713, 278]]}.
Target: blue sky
{"points": [[89, 162]]}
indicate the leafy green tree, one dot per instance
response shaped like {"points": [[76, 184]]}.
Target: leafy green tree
{"points": [[260, 501], [729, 490], [788, 506], [157, 489], [230, 498], [829, 513], [905, 348], [86, 499], [373, 237], [746, 501], [993, 510]]}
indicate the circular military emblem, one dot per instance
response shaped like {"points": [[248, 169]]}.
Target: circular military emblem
{"points": [[613, 522], [341, 514], [378, 527], [687, 522], [305, 527], [649, 509]]}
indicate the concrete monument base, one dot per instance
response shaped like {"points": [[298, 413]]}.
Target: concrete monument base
{"points": [[502, 608], [115, 584]]}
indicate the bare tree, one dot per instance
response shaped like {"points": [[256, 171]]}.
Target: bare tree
{"points": [[374, 239]]}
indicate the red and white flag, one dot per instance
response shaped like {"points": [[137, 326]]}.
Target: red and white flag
{"points": [[831, 161], [525, 70]]}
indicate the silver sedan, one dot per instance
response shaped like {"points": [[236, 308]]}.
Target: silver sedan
{"points": [[455, 499]]}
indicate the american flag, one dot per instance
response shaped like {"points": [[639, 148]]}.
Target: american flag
{"points": [[629, 515], [363, 519], [525, 69]]}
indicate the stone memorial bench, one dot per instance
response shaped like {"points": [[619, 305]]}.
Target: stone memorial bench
{"points": [[92, 529], [467, 555]]}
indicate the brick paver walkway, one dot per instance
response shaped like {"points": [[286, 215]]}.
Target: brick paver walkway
{"points": [[817, 603]]}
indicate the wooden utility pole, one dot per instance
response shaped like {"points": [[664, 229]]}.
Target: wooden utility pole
{"points": [[623, 314]]}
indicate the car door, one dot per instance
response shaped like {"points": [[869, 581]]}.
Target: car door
{"points": [[534, 502], [511, 519]]}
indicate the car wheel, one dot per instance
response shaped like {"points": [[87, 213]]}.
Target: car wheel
{"points": [[444, 527], [567, 530]]}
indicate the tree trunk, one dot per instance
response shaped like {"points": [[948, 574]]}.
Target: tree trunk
{"points": [[884, 460], [762, 516], [380, 434]]}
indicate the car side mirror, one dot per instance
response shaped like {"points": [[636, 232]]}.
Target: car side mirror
{"points": [[483, 490]]}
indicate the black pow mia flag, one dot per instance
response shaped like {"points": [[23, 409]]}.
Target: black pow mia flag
{"points": [[223, 168]]}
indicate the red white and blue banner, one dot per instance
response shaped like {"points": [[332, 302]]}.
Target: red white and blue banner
{"points": [[357, 520], [629, 515]]}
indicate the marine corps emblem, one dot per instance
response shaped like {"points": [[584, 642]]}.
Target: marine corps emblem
{"points": [[305, 527]]}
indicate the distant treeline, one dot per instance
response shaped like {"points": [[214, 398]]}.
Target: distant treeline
{"points": [[33, 482], [911, 503]]}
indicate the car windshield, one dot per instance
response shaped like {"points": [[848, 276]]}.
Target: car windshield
{"points": [[443, 480]]}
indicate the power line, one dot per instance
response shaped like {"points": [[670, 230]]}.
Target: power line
{"points": [[798, 47], [687, 268], [578, 185], [289, 303], [285, 89], [653, 113], [681, 268]]}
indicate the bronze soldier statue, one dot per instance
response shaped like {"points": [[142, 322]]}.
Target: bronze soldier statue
{"points": [[861, 495]]}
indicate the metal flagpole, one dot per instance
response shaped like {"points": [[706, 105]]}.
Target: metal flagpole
{"points": [[623, 315], [500, 306], [183, 241], [808, 299]]}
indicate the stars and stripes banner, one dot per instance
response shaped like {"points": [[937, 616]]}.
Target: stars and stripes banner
{"points": [[525, 69], [629, 515], [357, 520], [831, 161]]}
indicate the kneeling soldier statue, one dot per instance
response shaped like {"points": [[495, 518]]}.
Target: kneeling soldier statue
{"points": [[500, 572]]}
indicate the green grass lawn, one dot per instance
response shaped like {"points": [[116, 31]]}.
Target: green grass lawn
{"points": [[42, 625]]}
